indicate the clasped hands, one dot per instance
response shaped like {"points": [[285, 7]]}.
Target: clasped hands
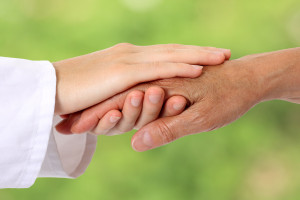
{"points": [[164, 91]]}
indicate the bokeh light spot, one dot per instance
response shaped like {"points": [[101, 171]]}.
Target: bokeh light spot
{"points": [[141, 5], [293, 27]]}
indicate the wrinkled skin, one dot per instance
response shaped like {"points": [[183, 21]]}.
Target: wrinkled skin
{"points": [[220, 96]]}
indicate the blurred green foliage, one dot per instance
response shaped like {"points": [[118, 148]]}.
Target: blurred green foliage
{"points": [[256, 157]]}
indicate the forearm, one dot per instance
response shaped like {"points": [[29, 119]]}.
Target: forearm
{"points": [[278, 74]]}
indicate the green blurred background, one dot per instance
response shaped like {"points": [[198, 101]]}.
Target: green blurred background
{"points": [[257, 157]]}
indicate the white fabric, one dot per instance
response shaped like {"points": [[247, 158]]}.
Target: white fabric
{"points": [[29, 146]]}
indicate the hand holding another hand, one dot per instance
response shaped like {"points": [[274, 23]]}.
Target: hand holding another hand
{"points": [[132, 111], [89, 79], [220, 96]]}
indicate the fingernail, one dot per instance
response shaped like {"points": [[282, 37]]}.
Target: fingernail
{"points": [[154, 98], [225, 50], [136, 101], [114, 119], [178, 106], [198, 67], [142, 142]]}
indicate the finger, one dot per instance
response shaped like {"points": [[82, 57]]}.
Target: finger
{"points": [[64, 126], [165, 130], [159, 70], [161, 47], [131, 111], [91, 116], [109, 121], [152, 105], [65, 116], [188, 56], [226, 52], [174, 106]]}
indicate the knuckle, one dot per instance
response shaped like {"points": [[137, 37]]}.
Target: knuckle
{"points": [[143, 87], [166, 132], [100, 130], [174, 86], [192, 90], [123, 46]]}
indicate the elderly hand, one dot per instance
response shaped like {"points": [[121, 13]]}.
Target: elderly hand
{"points": [[220, 96]]}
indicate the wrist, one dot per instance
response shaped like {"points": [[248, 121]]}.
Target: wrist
{"points": [[283, 77], [58, 89], [276, 74]]}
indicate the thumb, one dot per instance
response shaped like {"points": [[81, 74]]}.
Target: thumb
{"points": [[163, 131]]}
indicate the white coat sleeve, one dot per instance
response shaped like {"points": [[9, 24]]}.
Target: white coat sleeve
{"points": [[29, 146]]}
